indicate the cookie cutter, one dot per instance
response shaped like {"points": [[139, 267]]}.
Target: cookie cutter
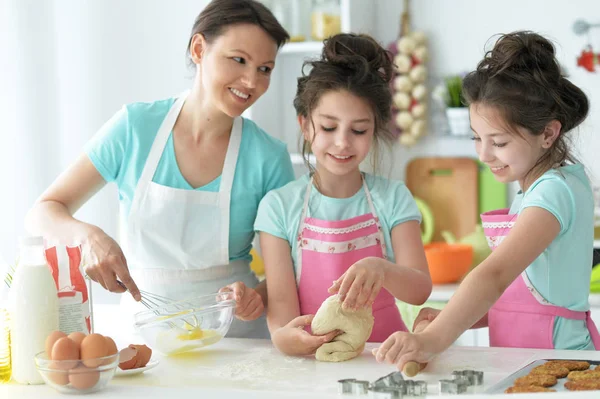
{"points": [[360, 387], [469, 377], [344, 386], [452, 387], [415, 388], [391, 380], [386, 392]]}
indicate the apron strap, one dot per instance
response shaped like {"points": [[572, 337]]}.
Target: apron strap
{"points": [[158, 146]]}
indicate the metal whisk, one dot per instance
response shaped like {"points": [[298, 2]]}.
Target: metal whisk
{"points": [[153, 301]]}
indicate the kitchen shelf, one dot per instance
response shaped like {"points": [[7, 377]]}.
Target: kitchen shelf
{"points": [[302, 48]]}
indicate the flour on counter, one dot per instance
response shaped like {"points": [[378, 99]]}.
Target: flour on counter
{"points": [[262, 366]]}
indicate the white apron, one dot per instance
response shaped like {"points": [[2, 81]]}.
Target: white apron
{"points": [[177, 241]]}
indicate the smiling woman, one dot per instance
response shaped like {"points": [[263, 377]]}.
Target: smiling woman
{"points": [[190, 172]]}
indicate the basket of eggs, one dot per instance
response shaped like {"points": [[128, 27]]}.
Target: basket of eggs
{"points": [[80, 363]]}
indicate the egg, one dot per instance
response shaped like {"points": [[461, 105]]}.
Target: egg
{"points": [[128, 358], [93, 347], [60, 377], [111, 349], [65, 353], [82, 377], [77, 337], [143, 355], [51, 339]]}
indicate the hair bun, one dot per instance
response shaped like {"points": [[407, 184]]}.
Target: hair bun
{"points": [[523, 51], [359, 53]]}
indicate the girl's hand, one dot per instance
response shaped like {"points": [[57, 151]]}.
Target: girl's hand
{"points": [[403, 347], [428, 314], [248, 303], [361, 283], [293, 340], [107, 265]]}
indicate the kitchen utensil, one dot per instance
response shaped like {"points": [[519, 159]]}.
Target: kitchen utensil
{"points": [[492, 193], [449, 186], [507, 382], [150, 365], [470, 377], [212, 315], [345, 385], [476, 239], [428, 223], [448, 263], [72, 376], [452, 387]]}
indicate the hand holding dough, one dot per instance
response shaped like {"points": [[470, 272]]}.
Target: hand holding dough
{"points": [[356, 326]]}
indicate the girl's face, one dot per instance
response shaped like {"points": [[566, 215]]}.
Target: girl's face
{"points": [[509, 156], [235, 69], [341, 132]]}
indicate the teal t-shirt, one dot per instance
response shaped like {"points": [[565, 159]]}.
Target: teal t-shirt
{"points": [[280, 211], [561, 274], [120, 148]]}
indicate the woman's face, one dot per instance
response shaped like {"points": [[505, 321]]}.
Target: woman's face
{"points": [[234, 70]]}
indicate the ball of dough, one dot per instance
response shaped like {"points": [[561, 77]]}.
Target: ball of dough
{"points": [[406, 45], [356, 326], [404, 119], [421, 53], [418, 74], [403, 84], [402, 101], [402, 63], [419, 92]]}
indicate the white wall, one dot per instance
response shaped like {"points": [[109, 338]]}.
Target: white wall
{"points": [[459, 29], [66, 67]]}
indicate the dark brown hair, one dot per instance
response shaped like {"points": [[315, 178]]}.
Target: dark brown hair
{"points": [[522, 79], [355, 63], [220, 14]]}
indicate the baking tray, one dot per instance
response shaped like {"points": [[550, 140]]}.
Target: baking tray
{"points": [[507, 382]]}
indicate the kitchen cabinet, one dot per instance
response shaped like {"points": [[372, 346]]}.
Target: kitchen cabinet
{"points": [[274, 111]]}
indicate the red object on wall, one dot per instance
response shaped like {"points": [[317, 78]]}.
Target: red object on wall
{"points": [[588, 60]]}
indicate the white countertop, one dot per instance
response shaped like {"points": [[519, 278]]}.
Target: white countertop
{"points": [[240, 368]]}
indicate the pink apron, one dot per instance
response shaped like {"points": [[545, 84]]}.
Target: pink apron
{"points": [[522, 318], [326, 249]]}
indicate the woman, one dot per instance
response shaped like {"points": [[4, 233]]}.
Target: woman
{"points": [[190, 172]]}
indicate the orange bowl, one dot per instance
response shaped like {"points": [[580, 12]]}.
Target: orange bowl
{"points": [[448, 263]]}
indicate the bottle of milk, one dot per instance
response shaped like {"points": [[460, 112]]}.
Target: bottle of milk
{"points": [[33, 307]]}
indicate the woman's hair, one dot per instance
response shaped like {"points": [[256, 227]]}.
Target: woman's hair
{"points": [[221, 14], [522, 79], [357, 64]]}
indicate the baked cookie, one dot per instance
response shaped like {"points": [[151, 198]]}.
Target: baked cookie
{"points": [[583, 385], [540, 380], [527, 389], [557, 371], [572, 365], [584, 375]]}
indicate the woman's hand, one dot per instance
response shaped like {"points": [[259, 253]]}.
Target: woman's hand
{"points": [[403, 347], [361, 283], [107, 265], [293, 340], [248, 303]]}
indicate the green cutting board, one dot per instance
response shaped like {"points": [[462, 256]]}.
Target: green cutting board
{"points": [[492, 193]]}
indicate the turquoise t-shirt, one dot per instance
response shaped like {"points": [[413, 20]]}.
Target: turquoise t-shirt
{"points": [[280, 211], [120, 149], [561, 274]]}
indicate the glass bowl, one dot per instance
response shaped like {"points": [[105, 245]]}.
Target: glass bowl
{"points": [[182, 326], [74, 376]]}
